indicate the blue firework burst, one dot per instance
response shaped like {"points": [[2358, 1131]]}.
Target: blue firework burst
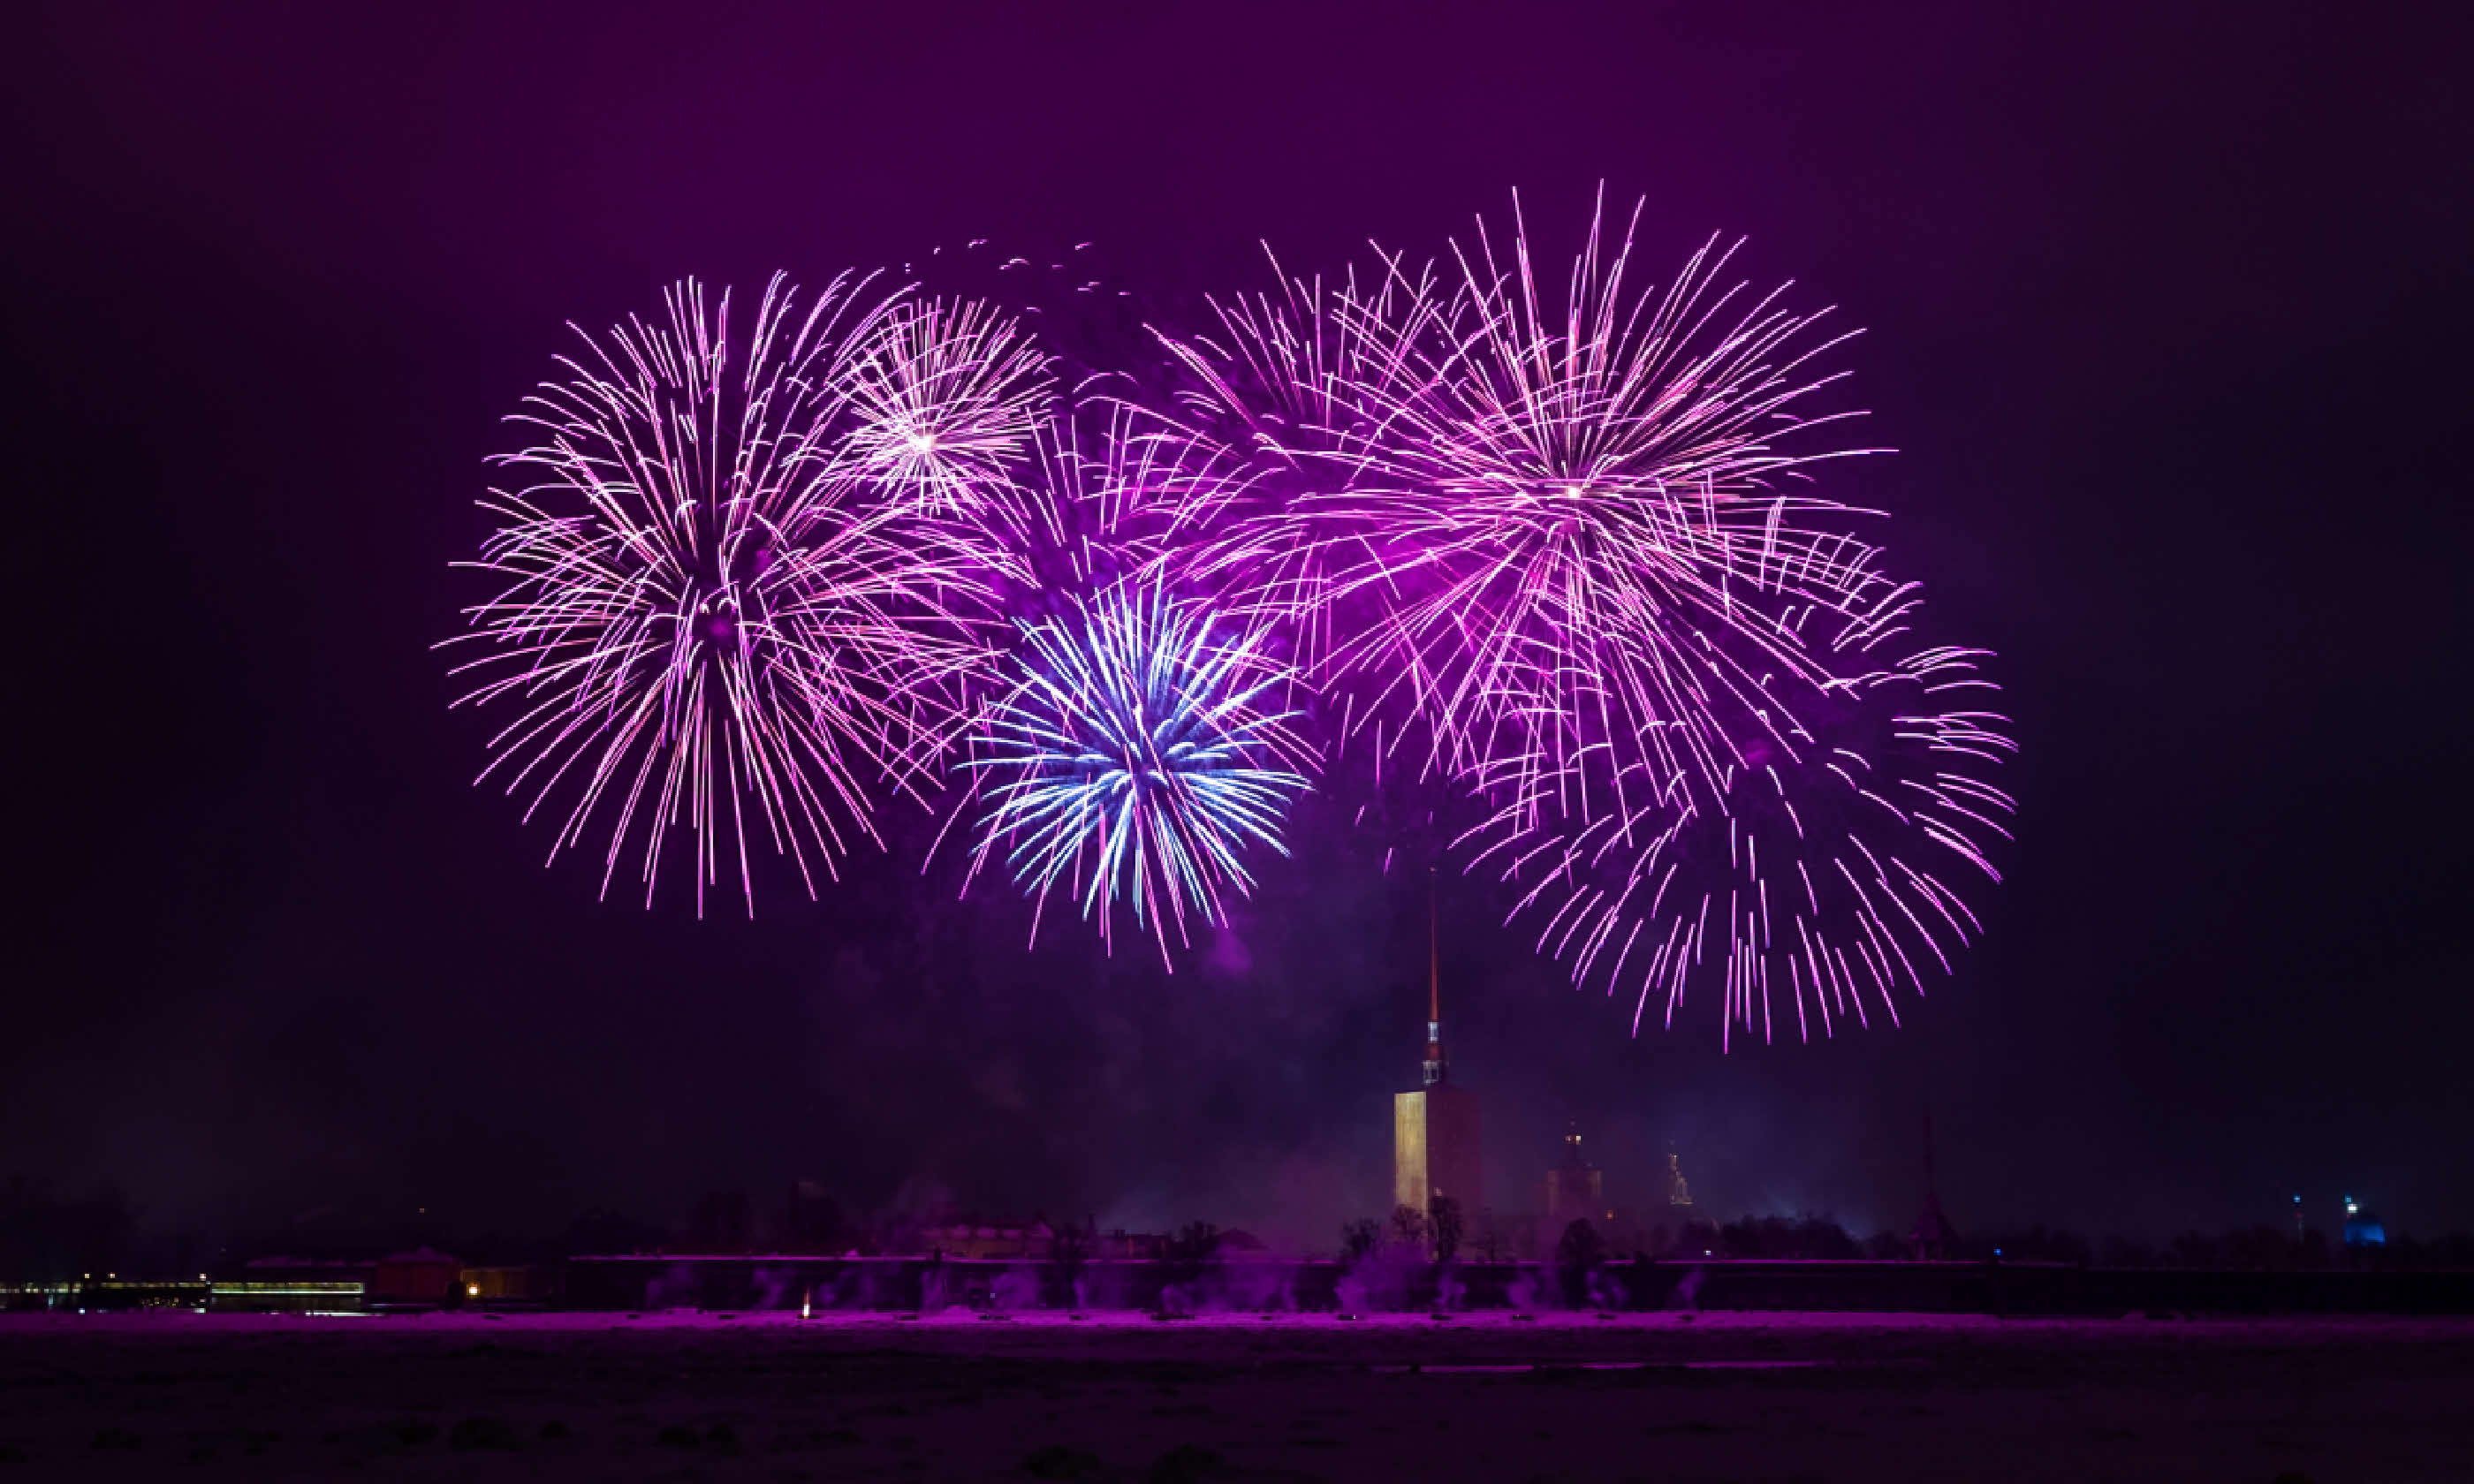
{"points": [[1141, 751]]}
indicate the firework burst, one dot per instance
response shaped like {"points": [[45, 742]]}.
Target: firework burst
{"points": [[1561, 537], [1557, 541], [1520, 518], [946, 394], [1818, 876], [701, 620], [1103, 498], [1139, 756]]}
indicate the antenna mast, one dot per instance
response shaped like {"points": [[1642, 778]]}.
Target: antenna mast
{"points": [[1435, 1065]]}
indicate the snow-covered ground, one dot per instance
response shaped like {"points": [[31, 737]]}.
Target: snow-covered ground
{"points": [[1485, 1395]]}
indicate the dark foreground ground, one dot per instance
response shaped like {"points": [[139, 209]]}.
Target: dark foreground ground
{"points": [[1717, 1395]]}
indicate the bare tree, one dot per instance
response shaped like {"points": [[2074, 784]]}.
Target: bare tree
{"points": [[1198, 1243], [1444, 1222], [1492, 1245], [1069, 1247], [1577, 1256]]}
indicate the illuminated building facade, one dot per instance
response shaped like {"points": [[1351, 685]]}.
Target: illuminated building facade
{"points": [[2364, 1229], [1032, 1240]]}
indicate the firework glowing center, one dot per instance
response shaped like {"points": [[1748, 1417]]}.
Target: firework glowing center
{"points": [[1136, 757], [1565, 552]]}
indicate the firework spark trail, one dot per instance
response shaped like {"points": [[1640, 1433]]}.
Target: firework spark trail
{"points": [[1519, 530], [1109, 506], [699, 614], [1552, 535], [948, 394], [1137, 756], [1104, 496], [1834, 864]]}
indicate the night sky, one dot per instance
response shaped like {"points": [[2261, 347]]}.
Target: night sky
{"points": [[2166, 311]]}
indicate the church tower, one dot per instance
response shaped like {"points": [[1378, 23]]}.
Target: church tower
{"points": [[1435, 1149], [1576, 1190]]}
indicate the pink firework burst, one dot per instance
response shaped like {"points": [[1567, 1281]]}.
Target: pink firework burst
{"points": [[703, 623], [946, 394], [1570, 537], [1517, 515]]}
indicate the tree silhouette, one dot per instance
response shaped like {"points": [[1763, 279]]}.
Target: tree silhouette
{"points": [[1491, 1244], [1069, 1247], [1578, 1252], [1444, 1221], [1198, 1243]]}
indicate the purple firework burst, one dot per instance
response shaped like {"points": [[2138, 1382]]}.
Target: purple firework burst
{"points": [[702, 623], [1566, 538], [947, 394]]}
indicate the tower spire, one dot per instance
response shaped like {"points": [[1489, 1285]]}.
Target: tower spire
{"points": [[1434, 956], [1435, 1065]]}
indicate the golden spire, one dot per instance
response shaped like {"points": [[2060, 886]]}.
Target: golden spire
{"points": [[1434, 956]]}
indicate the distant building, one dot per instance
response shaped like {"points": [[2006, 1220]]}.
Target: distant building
{"points": [[1123, 1246], [1435, 1131], [513, 1285], [1575, 1189], [970, 1237], [423, 1278], [2364, 1229], [275, 1284], [1236, 1245], [1679, 1195]]}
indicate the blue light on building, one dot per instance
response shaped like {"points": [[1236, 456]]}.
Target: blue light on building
{"points": [[2364, 1229]]}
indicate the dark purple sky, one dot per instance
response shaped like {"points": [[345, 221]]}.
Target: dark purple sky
{"points": [[2165, 307]]}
